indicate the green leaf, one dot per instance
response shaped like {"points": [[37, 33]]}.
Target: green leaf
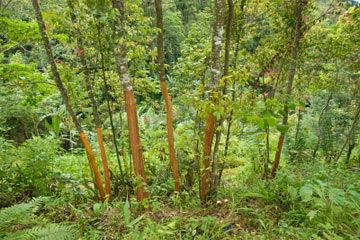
{"points": [[99, 208], [126, 212], [337, 196], [292, 192], [311, 214], [292, 106], [136, 220], [270, 120], [306, 193], [282, 128]]}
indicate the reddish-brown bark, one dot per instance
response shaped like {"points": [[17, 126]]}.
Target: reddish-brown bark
{"points": [[165, 94], [277, 155], [205, 177], [93, 165], [104, 162], [63, 91], [106, 91], [299, 7], [89, 87], [135, 145], [130, 103], [218, 133], [218, 31]]}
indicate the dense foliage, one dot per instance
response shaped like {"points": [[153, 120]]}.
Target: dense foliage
{"points": [[260, 99]]}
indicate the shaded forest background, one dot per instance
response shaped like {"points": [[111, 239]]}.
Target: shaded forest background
{"points": [[175, 119]]}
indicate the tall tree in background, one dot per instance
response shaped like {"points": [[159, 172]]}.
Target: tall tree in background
{"points": [[298, 13], [89, 87], [229, 119], [217, 39], [65, 97], [350, 133], [108, 103], [130, 103], [229, 20], [319, 122], [165, 94]]}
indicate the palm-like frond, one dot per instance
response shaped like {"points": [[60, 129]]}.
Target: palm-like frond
{"points": [[48, 232], [18, 213], [24, 215]]}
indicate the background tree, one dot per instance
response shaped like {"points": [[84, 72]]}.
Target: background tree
{"points": [[299, 7], [167, 99], [218, 31]]}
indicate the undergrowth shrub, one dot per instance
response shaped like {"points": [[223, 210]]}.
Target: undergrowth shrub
{"points": [[304, 201], [28, 169], [38, 167]]}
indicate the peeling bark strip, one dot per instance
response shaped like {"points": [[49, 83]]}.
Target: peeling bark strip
{"points": [[205, 175], [65, 98], [136, 148], [165, 94], [130, 104], [299, 7], [218, 29], [91, 95], [93, 165]]}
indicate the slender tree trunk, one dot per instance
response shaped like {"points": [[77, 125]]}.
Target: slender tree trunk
{"points": [[89, 87], [164, 91], [298, 126], [194, 165], [296, 146], [349, 152], [130, 103], [215, 78], [214, 176], [107, 94], [299, 7], [356, 119], [65, 98], [267, 154], [233, 94], [323, 111]]}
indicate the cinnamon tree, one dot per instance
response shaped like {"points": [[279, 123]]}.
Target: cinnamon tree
{"points": [[108, 103], [229, 22], [89, 87], [298, 33], [65, 97], [165, 94], [130, 103], [217, 39]]}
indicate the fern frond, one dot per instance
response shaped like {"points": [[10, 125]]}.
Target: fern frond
{"points": [[49, 232], [18, 213], [23, 214], [18, 235], [53, 232]]}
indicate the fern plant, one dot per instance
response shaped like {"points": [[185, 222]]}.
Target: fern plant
{"points": [[20, 222]]}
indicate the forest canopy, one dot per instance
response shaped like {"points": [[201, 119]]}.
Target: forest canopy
{"points": [[179, 119]]}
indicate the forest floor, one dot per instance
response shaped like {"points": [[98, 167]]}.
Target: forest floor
{"points": [[304, 201]]}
